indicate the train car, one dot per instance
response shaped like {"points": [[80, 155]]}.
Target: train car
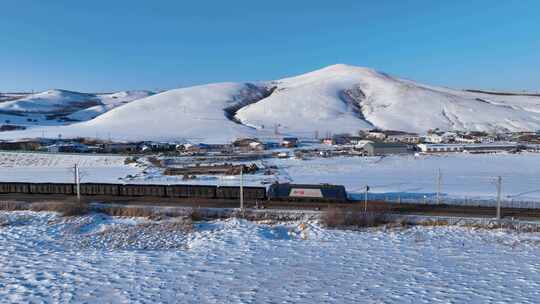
{"points": [[299, 192], [195, 191], [100, 189], [14, 188], [143, 190], [250, 193], [52, 188]]}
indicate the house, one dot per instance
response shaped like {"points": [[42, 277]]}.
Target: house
{"points": [[393, 136], [23, 145], [356, 140], [245, 142], [67, 148], [328, 141], [340, 139], [401, 137], [376, 134], [360, 144], [256, 146], [379, 148], [345, 139], [157, 146], [440, 148], [441, 137], [465, 139], [225, 148], [289, 142], [118, 147]]}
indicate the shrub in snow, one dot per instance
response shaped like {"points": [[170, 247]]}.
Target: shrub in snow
{"points": [[343, 217]]}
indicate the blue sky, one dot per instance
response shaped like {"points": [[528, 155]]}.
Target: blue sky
{"points": [[114, 45]]}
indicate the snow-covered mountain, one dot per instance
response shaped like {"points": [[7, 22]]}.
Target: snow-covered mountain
{"points": [[335, 99], [108, 102], [60, 107], [52, 101], [189, 114], [342, 98]]}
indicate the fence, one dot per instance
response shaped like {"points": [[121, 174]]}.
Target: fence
{"points": [[516, 189]]}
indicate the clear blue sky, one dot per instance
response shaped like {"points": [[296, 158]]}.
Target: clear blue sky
{"points": [[103, 45]]}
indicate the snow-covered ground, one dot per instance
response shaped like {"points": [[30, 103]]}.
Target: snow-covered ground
{"points": [[470, 177], [41, 167], [96, 258]]}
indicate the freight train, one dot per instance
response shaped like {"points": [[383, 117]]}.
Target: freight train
{"points": [[323, 192]]}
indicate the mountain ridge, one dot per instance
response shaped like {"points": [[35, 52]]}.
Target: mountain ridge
{"points": [[335, 99]]}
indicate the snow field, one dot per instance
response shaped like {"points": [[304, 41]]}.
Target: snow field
{"points": [[41, 167], [236, 261], [464, 176]]}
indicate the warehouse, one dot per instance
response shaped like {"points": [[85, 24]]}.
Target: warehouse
{"points": [[471, 148], [378, 148]]}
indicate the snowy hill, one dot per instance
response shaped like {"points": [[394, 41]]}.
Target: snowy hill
{"points": [[335, 99], [343, 98], [59, 107], [108, 102], [187, 114], [50, 101]]}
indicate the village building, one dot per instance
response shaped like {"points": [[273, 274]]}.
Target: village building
{"points": [[392, 136], [23, 145], [401, 137], [470, 148], [376, 134], [440, 137], [343, 139], [329, 141], [67, 148], [440, 148], [379, 148], [289, 142], [466, 139], [245, 142], [118, 147]]}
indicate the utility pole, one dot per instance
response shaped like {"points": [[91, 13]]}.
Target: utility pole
{"points": [[242, 188], [365, 198], [77, 181], [439, 181], [499, 189]]}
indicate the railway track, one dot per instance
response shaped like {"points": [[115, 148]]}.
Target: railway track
{"points": [[372, 206]]}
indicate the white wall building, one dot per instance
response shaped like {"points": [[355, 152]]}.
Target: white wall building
{"points": [[472, 148]]}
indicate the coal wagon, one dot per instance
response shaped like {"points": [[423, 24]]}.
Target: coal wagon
{"points": [[100, 189], [250, 193], [143, 190], [52, 188], [193, 191], [14, 188]]}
